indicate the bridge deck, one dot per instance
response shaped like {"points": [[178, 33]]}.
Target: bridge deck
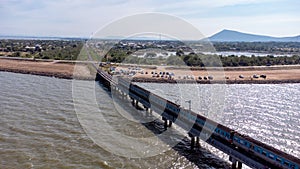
{"points": [[241, 148]]}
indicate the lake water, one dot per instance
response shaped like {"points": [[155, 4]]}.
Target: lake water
{"points": [[248, 54], [40, 127]]}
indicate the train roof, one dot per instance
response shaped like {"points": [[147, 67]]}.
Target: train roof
{"points": [[270, 148]]}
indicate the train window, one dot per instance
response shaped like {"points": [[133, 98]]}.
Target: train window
{"points": [[257, 149], [227, 135], [264, 153], [293, 166], [286, 163], [271, 156], [278, 160]]}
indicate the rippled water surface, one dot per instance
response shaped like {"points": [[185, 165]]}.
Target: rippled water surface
{"points": [[40, 129]]}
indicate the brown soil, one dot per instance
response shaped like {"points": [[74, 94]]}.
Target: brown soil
{"points": [[61, 69], [46, 68], [274, 74]]}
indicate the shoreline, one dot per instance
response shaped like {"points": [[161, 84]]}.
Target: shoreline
{"points": [[49, 68], [65, 70], [147, 80], [47, 74]]}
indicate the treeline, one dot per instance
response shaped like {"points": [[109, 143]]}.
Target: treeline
{"points": [[201, 60], [234, 61], [68, 52], [41, 49], [268, 47]]}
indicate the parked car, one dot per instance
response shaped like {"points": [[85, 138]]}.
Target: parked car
{"points": [[263, 76]]}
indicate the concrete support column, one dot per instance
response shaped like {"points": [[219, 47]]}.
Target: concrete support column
{"points": [[165, 123], [170, 123], [192, 142], [233, 165], [136, 104], [122, 94], [240, 164], [197, 142], [147, 112]]}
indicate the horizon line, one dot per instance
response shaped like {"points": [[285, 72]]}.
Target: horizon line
{"points": [[126, 38]]}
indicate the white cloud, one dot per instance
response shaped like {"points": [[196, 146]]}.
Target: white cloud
{"points": [[64, 17], [82, 17]]}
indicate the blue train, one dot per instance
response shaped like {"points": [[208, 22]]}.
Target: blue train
{"points": [[275, 158]]}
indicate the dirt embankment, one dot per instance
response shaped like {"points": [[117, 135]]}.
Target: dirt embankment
{"points": [[232, 75], [82, 70], [47, 68]]}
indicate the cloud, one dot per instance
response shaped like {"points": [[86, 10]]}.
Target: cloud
{"points": [[63, 17], [82, 17]]}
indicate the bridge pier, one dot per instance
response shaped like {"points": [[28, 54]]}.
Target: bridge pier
{"points": [[240, 164], [167, 123], [235, 163], [197, 142], [124, 95], [170, 123], [136, 104], [147, 112], [192, 142]]}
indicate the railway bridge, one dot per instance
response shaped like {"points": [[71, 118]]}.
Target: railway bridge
{"points": [[241, 149]]}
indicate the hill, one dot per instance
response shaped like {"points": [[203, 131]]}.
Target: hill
{"points": [[235, 36]]}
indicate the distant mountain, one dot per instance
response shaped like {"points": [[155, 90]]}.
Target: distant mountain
{"points": [[235, 36], [40, 37]]}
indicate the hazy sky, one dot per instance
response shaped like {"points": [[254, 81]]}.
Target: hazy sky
{"points": [[83, 17]]}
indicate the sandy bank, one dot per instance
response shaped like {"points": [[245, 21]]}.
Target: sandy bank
{"points": [[46, 68], [229, 75], [66, 69]]}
